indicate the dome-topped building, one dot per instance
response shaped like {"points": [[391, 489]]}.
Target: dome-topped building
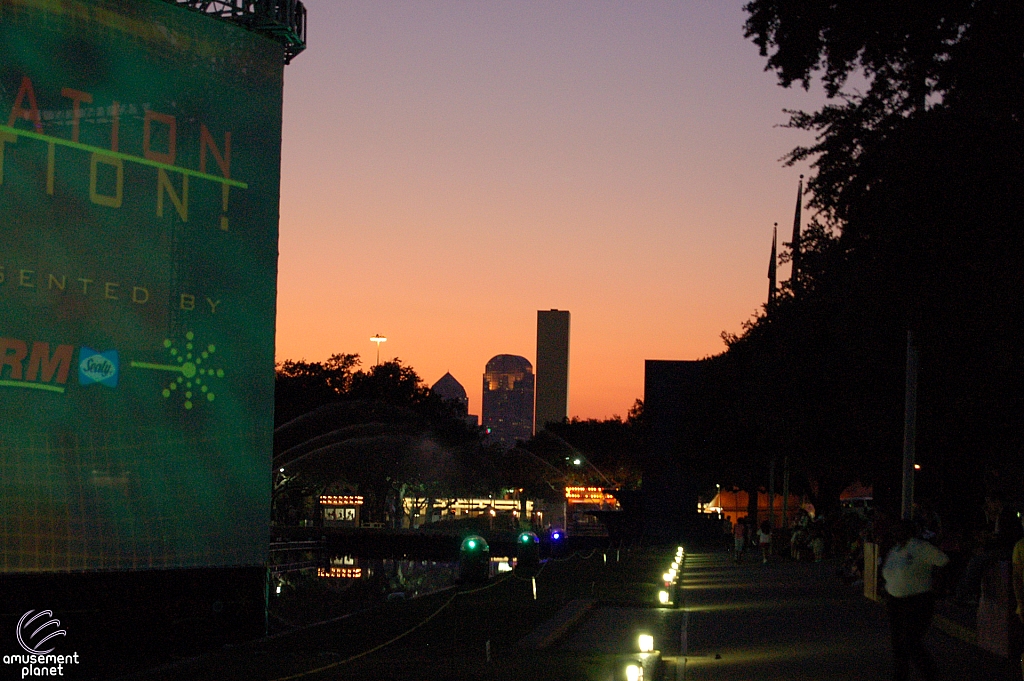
{"points": [[508, 399], [448, 388]]}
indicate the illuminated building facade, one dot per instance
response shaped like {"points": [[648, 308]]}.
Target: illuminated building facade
{"points": [[341, 510], [552, 367], [598, 497], [580, 501], [508, 399], [417, 513]]}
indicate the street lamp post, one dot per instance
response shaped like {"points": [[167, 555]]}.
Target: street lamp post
{"points": [[378, 339]]}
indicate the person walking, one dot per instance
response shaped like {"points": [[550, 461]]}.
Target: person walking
{"points": [[739, 537], [907, 571], [1017, 578], [764, 540]]}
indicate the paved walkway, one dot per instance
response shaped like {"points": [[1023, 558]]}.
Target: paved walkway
{"points": [[780, 621], [797, 621]]}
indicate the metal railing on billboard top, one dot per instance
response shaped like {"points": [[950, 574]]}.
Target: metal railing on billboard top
{"points": [[282, 20]]}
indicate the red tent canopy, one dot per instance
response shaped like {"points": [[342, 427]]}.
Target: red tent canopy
{"points": [[857, 491]]}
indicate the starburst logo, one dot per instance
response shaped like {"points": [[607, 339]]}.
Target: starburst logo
{"points": [[192, 364]]}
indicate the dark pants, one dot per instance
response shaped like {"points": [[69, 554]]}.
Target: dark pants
{"points": [[909, 618], [969, 588]]}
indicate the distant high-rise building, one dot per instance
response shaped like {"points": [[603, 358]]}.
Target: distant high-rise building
{"points": [[508, 399], [552, 367], [450, 390], [447, 388]]}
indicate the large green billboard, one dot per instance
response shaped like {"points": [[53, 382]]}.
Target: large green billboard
{"points": [[139, 173]]}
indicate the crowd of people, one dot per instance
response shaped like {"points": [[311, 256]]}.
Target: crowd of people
{"points": [[919, 560], [807, 539]]}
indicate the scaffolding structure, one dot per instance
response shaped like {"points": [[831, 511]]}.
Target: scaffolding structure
{"points": [[280, 20]]}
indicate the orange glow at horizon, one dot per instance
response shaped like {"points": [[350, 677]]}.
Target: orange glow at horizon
{"points": [[448, 170]]}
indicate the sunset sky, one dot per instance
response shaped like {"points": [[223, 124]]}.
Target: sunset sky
{"points": [[450, 168]]}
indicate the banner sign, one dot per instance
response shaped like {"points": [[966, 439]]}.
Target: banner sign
{"points": [[139, 174]]}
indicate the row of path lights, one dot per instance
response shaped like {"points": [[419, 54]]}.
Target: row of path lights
{"points": [[666, 596]]}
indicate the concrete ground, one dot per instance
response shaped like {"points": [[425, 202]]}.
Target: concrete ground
{"points": [[752, 621], [786, 620]]}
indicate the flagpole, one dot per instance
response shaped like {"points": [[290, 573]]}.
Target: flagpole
{"points": [[795, 276]]}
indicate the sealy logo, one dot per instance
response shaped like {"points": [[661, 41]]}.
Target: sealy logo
{"points": [[98, 367]]}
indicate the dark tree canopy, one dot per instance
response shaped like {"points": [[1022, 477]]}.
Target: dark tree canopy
{"points": [[302, 386], [380, 432], [962, 56], [907, 51], [919, 189], [612, 446]]}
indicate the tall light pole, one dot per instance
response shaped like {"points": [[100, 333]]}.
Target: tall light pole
{"points": [[378, 339], [909, 429]]}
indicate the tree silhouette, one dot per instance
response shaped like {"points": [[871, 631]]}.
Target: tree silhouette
{"points": [[381, 432], [918, 187]]}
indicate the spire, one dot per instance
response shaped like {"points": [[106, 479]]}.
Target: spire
{"points": [[795, 276], [771, 265]]}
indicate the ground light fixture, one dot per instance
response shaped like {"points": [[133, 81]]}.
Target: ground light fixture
{"points": [[634, 672], [663, 597], [646, 643]]}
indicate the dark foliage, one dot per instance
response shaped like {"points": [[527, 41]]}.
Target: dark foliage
{"points": [[611, 446], [919, 187], [379, 432], [302, 386]]}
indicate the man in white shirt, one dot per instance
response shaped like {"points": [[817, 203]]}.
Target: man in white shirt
{"points": [[908, 581]]}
